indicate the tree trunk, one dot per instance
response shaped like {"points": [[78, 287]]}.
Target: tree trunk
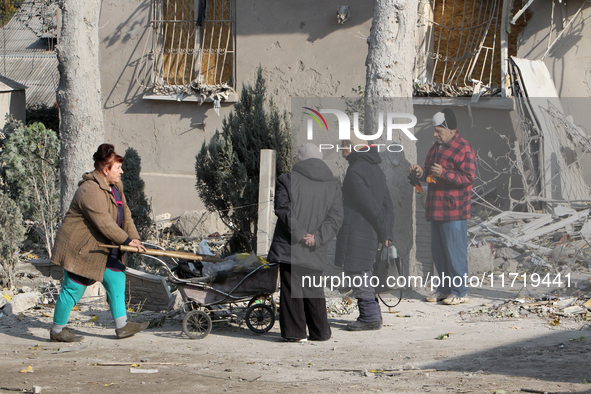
{"points": [[389, 88], [79, 93]]}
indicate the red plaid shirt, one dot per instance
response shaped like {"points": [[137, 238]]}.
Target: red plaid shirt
{"points": [[449, 198]]}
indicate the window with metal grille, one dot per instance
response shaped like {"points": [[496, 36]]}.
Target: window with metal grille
{"points": [[459, 46], [193, 46]]}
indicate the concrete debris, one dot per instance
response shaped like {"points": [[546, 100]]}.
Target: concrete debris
{"points": [[522, 308], [338, 304], [525, 243], [506, 253], [498, 262], [510, 266], [22, 302], [564, 303], [480, 259], [200, 224]]}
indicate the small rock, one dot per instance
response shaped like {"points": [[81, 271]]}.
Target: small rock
{"points": [[26, 289]]}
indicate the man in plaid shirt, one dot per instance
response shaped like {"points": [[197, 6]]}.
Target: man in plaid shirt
{"points": [[449, 171]]}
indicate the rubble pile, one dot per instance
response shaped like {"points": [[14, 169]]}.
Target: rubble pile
{"points": [[553, 310], [541, 243], [338, 304]]}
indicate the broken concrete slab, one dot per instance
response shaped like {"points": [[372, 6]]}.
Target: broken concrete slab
{"points": [[200, 224], [498, 262], [510, 266], [564, 303], [480, 259], [22, 302], [47, 268], [507, 253], [574, 309]]}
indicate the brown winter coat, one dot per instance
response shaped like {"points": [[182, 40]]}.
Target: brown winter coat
{"points": [[91, 220]]}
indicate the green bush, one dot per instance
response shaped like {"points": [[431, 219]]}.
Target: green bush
{"points": [[49, 116], [31, 164], [12, 235], [227, 168], [133, 186]]}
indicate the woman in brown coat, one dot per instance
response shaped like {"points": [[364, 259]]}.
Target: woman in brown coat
{"points": [[98, 214]]}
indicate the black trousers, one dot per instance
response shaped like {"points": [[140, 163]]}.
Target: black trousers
{"points": [[301, 307]]}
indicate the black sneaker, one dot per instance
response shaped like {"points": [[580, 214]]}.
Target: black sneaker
{"points": [[65, 336], [130, 329], [364, 326]]}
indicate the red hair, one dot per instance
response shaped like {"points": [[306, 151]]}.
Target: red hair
{"points": [[105, 156]]}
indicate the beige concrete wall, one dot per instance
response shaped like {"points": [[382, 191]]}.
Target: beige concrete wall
{"points": [[299, 45], [303, 52]]}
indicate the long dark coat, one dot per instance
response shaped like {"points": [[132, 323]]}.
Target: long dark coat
{"points": [[369, 214], [307, 200]]}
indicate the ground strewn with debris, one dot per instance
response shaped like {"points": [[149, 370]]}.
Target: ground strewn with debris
{"points": [[489, 345]]}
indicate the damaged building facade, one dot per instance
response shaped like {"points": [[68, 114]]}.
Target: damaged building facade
{"points": [[168, 84], [516, 73]]}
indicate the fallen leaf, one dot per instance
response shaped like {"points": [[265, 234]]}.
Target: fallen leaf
{"points": [[35, 347], [94, 318], [444, 336], [29, 369], [554, 322], [46, 314], [108, 384], [7, 296]]}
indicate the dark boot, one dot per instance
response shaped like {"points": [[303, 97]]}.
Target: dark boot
{"points": [[358, 325], [130, 329], [65, 336]]}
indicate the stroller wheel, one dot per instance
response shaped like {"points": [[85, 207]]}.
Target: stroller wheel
{"points": [[197, 324], [260, 318], [268, 300]]}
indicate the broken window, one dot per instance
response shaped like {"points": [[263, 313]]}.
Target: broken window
{"points": [[459, 46], [193, 47]]}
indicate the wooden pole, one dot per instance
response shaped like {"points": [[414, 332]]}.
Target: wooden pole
{"points": [[167, 253]]}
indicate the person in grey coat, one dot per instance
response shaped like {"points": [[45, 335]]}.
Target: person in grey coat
{"points": [[309, 209], [369, 221]]}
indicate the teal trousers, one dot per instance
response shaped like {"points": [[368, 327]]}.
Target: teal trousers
{"points": [[72, 292]]}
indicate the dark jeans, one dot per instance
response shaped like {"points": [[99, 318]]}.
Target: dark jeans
{"points": [[369, 307], [449, 246], [300, 307]]}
